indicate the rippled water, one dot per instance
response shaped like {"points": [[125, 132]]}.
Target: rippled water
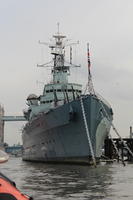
{"points": [[71, 182]]}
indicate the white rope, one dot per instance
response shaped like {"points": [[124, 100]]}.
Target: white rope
{"points": [[111, 123], [122, 140], [87, 132], [117, 151], [108, 118], [115, 147]]}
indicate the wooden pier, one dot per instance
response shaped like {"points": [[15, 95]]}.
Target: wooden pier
{"points": [[124, 154]]}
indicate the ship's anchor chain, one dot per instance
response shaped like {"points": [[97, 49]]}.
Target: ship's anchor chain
{"points": [[115, 130], [87, 132]]}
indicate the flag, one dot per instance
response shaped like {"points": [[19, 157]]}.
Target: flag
{"points": [[70, 55], [88, 57]]}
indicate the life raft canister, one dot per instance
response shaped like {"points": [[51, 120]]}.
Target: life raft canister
{"points": [[9, 192]]}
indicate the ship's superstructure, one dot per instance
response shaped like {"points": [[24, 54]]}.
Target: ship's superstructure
{"points": [[55, 130], [59, 91]]}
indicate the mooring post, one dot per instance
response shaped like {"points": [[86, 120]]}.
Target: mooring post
{"points": [[108, 147], [131, 132]]}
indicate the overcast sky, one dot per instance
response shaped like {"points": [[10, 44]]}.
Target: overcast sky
{"points": [[106, 24]]}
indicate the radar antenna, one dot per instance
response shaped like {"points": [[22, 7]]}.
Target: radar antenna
{"points": [[60, 67]]}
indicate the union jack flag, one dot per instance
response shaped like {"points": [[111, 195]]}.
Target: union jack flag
{"points": [[88, 57]]}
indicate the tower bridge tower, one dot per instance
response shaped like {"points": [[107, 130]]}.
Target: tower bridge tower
{"points": [[1, 126], [4, 119]]}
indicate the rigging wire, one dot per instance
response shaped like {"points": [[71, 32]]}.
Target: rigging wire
{"points": [[92, 91]]}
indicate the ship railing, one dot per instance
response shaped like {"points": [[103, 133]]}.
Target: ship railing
{"points": [[102, 99]]}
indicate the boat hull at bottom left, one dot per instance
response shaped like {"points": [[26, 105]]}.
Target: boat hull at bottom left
{"points": [[8, 190]]}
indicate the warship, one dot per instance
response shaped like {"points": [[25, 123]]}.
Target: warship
{"points": [[64, 124]]}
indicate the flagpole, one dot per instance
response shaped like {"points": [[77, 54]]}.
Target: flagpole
{"points": [[90, 84]]}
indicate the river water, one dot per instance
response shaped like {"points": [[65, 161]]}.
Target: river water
{"points": [[71, 182]]}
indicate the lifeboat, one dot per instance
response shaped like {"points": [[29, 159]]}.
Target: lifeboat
{"points": [[8, 190]]}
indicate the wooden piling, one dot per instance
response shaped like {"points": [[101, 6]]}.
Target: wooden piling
{"points": [[110, 152]]}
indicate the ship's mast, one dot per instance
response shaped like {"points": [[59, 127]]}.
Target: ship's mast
{"points": [[60, 69]]}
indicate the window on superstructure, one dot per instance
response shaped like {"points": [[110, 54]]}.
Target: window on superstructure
{"points": [[48, 91], [58, 90], [50, 101]]}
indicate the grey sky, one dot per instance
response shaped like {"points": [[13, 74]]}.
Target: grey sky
{"points": [[105, 24]]}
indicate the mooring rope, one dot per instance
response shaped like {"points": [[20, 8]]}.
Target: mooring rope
{"points": [[117, 151], [116, 131], [126, 146], [87, 132], [115, 147], [92, 91], [111, 123]]}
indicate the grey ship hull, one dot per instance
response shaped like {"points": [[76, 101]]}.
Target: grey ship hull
{"points": [[60, 136]]}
